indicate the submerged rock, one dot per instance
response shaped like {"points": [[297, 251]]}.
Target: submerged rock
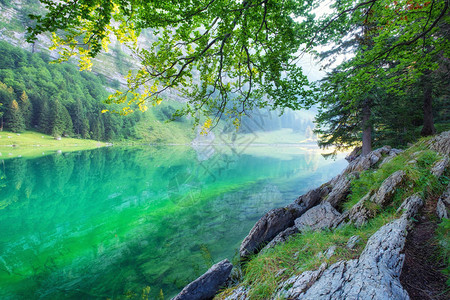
{"points": [[207, 285], [319, 217]]}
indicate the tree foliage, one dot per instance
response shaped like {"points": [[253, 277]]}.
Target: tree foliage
{"points": [[230, 56], [52, 98], [225, 57]]}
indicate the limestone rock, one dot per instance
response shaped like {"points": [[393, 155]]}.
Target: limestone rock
{"points": [[387, 188], [313, 197], [353, 241], [441, 143], [341, 189], [360, 213], [282, 237], [443, 205], [411, 206], [207, 285], [354, 154], [392, 153], [330, 252], [238, 294], [296, 285], [375, 275], [268, 227], [440, 166], [319, 217]]}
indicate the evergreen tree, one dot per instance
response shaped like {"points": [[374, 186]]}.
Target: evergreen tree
{"points": [[26, 108], [58, 123], [14, 118], [45, 119], [68, 125]]}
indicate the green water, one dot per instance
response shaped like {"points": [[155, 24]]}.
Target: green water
{"points": [[108, 223]]}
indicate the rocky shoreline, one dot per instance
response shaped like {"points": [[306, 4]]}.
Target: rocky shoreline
{"points": [[375, 274]]}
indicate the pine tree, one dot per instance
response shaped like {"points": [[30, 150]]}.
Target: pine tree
{"points": [[14, 120], [44, 119], [26, 108], [58, 122]]}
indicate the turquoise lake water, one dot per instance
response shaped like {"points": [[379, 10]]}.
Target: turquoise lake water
{"points": [[110, 222]]}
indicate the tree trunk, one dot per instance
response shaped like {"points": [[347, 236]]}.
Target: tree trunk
{"points": [[1, 124], [367, 128], [428, 124]]}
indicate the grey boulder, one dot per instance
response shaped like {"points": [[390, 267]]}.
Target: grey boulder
{"points": [[268, 227], [207, 285], [319, 217]]}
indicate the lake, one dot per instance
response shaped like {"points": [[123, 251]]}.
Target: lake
{"points": [[114, 222]]}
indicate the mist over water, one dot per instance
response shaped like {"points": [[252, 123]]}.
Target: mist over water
{"points": [[109, 222]]}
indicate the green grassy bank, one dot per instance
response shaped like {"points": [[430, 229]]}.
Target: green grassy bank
{"points": [[34, 144]]}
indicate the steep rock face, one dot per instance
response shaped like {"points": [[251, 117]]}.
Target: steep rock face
{"points": [[207, 285], [319, 217], [272, 223]]}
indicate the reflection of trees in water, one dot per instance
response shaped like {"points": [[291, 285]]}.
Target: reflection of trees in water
{"points": [[110, 221]]}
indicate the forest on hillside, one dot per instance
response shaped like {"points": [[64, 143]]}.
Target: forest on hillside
{"points": [[56, 99]]}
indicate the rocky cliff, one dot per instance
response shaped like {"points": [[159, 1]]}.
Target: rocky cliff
{"points": [[347, 239]]}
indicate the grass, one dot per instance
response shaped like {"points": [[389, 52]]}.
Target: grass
{"points": [[33, 144], [443, 242], [264, 272], [415, 161]]}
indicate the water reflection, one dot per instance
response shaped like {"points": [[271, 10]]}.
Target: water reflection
{"points": [[107, 223]]}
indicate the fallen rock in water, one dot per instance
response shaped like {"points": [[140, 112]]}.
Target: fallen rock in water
{"points": [[268, 227], [443, 205], [319, 217], [207, 285]]}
